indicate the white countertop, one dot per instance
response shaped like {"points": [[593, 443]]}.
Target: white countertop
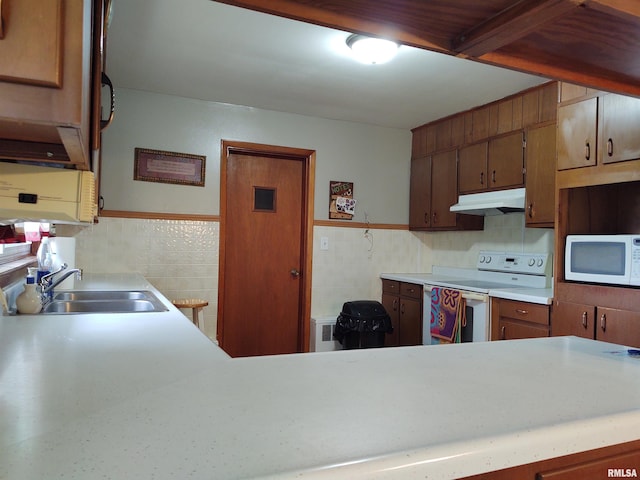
{"points": [[542, 296], [140, 396]]}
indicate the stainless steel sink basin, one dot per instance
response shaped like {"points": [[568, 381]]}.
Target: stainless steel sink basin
{"points": [[104, 301], [81, 295]]}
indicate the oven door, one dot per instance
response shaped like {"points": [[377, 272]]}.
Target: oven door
{"points": [[477, 325]]}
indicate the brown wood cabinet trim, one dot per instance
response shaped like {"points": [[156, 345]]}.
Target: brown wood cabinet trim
{"points": [[158, 215], [531, 470], [343, 224]]}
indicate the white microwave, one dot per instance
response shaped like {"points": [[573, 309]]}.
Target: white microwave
{"points": [[609, 259]]}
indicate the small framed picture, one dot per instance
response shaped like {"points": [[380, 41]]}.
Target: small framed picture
{"points": [[169, 167]]}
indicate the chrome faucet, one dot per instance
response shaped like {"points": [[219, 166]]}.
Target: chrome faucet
{"points": [[47, 283]]}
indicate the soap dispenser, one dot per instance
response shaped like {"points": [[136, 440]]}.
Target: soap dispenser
{"points": [[30, 300]]}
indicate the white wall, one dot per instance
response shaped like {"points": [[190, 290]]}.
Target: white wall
{"points": [[376, 159]]}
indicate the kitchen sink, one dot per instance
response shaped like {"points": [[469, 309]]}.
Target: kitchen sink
{"points": [[84, 295], [104, 301]]}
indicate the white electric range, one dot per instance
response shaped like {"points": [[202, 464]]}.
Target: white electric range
{"points": [[516, 276], [506, 272]]}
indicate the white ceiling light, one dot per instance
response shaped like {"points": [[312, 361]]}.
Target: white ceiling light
{"points": [[371, 50]]}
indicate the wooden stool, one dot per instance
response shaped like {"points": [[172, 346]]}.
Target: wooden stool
{"points": [[196, 304]]}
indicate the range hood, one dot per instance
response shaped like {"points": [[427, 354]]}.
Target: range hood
{"points": [[491, 203], [46, 194]]}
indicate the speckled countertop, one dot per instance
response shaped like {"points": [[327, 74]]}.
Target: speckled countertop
{"points": [[147, 396]]}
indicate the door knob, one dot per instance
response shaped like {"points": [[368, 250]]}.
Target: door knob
{"points": [[294, 272]]}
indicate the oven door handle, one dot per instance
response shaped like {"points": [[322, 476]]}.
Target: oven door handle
{"points": [[480, 297]]}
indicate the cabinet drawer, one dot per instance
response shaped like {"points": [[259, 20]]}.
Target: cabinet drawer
{"points": [[411, 290], [528, 312], [391, 286]]}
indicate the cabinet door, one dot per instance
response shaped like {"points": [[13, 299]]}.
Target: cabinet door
{"points": [[620, 128], [618, 326], [31, 48], [506, 161], [391, 304], [510, 330], [573, 319], [472, 168], [577, 130], [410, 322], [540, 164], [444, 181], [420, 194]]}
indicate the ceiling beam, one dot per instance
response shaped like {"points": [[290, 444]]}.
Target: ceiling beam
{"points": [[339, 18], [617, 8], [511, 24]]}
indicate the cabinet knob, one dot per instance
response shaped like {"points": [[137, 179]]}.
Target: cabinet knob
{"points": [[395, 305], [603, 322], [481, 178], [610, 147], [435, 218], [584, 319], [587, 151], [493, 176], [530, 210], [426, 218], [521, 311], [503, 332], [294, 272]]}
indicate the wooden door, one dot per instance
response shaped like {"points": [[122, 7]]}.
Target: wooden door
{"points": [[540, 177], [620, 120], [573, 319], [472, 168], [577, 133], [263, 253], [506, 161], [618, 326], [444, 181], [410, 322], [420, 194]]}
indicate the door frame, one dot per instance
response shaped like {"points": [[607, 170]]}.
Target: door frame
{"points": [[308, 157]]}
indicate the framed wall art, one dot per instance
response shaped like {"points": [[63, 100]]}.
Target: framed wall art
{"points": [[169, 167], [341, 202]]}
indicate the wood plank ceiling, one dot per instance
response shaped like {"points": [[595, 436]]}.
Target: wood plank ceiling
{"points": [[589, 42]]}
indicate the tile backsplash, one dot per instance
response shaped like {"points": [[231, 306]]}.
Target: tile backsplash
{"points": [[180, 258]]}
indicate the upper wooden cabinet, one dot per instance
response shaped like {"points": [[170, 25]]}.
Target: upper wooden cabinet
{"points": [[433, 191], [598, 130], [505, 161], [492, 165], [540, 161], [46, 81], [620, 120], [577, 134]]}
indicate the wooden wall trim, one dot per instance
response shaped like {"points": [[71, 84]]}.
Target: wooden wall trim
{"points": [[216, 218], [158, 215], [375, 226]]}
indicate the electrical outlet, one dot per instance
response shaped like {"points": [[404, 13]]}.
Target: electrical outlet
{"points": [[324, 243]]}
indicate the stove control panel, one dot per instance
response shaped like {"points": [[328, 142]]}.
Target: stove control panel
{"points": [[527, 263]]}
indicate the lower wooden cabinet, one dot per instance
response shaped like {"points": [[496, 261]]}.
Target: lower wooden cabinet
{"points": [[619, 461], [511, 319], [403, 303], [600, 323]]}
